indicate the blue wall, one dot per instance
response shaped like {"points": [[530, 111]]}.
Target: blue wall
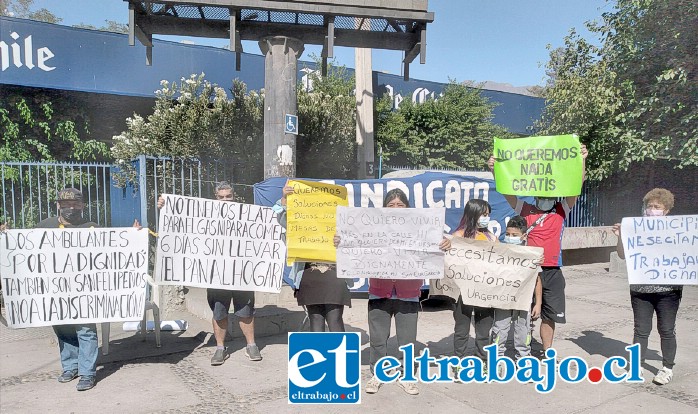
{"points": [[101, 62]]}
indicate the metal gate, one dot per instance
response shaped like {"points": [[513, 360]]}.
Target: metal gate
{"points": [[29, 190]]}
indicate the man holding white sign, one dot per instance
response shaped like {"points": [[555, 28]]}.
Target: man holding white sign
{"points": [[82, 276], [241, 246]]}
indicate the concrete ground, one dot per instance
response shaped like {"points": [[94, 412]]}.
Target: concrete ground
{"points": [[137, 377]]}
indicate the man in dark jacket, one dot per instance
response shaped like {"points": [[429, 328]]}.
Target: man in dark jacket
{"points": [[78, 343]]}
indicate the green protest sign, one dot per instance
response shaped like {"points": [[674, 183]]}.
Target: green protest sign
{"points": [[549, 166]]}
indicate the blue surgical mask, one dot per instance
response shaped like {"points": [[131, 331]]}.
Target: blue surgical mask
{"points": [[482, 222], [545, 204], [512, 239]]}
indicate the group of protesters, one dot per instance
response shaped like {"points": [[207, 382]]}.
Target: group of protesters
{"points": [[324, 295]]}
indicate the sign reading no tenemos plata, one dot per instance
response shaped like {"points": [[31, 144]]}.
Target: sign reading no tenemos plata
{"points": [[218, 244], [73, 276]]}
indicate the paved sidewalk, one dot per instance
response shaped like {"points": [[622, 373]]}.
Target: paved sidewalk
{"points": [[137, 377]]}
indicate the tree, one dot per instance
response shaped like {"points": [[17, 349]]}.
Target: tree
{"points": [[327, 118], [23, 10], [110, 26], [30, 132], [453, 131], [195, 118], [633, 97]]}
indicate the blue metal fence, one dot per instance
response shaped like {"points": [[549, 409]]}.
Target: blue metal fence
{"points": [[182, 176], [586, 213], [29, 190]]}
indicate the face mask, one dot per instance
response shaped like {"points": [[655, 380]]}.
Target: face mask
{"points": [[512, 239], [71, 214], [482, 222], [545, 204], [649, 212]]}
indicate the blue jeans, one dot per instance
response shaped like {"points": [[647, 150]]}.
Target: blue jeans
{"points": [[666, 306], [79, 348]]}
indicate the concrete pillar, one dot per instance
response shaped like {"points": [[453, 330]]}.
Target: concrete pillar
{"points": [[364, 113], [280, 98]]}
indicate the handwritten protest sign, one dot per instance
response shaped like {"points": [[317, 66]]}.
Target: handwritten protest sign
{"points": [[73, 276], [218, 244], [489, 275], [661, 250], [311, 220], [390, 243], [549, 166]]}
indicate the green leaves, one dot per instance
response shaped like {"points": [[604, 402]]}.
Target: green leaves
{"points": [[327, 145], [195, 118], [28, 134], [634, 97], [453, 131]]}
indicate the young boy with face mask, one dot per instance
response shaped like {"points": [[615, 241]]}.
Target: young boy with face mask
{"points": [[516, 234]]}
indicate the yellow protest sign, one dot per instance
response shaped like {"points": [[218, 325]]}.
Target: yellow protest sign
{"points": [[311, 221]]}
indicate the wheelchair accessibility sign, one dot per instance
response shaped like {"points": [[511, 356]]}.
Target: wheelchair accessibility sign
{"points": [[291, 124]]}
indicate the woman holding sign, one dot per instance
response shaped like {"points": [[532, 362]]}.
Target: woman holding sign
{"points": [[647, 300], [388, 299], [473, 225], [318, 289]]}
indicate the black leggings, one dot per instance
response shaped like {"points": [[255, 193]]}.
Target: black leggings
{"points": [[318, 314]]}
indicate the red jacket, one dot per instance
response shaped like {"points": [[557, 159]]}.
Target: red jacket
{"points": [[405, 289]]}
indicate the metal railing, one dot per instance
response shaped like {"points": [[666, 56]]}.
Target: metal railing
{"points": [[29, 190], [182, 176], [586, 213]]}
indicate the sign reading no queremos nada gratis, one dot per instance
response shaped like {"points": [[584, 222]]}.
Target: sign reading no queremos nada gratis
{"points": [[390, 243], [311, 220], [490, 275], [550, 166], [73, 276], [661, 250], [219, 244]]}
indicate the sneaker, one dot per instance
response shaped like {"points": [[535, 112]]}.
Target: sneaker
{"points": [[86, 382], [372, 385], [409, 387], [68, 376], [220, 356], [500, 371], [664, 376], [252, 352]]}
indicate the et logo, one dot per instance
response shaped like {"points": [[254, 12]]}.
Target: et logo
{"points": [[324, 368]]}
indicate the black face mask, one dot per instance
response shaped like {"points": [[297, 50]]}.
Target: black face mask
{"points": [[71, 215]]}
